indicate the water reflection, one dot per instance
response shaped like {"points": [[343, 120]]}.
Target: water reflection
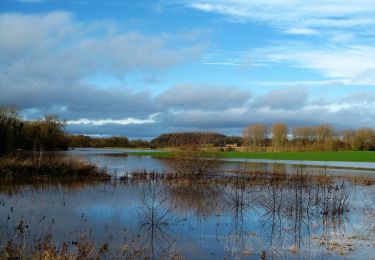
{"points": [[67, 185], [117, 163], [298, 207], [155, 218], [234, 216], [369, 214], [197, 197]]}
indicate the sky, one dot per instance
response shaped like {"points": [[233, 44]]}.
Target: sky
{"points": [[142, 68]]}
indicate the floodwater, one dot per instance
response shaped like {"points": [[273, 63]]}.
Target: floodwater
{"points": [[120, 164], [281, 216]]}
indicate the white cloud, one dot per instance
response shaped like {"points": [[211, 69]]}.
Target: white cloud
{"points": [[302, 31], [351, 63], [124, 121], [335, 36], [339, 64], [56, 41], [45, 60], [336, 82], [288, 13]]}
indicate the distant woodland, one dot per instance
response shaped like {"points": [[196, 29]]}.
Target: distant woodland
{"points": [[49, 133], [324, 137]]}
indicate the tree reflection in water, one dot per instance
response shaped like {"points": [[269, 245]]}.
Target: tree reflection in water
{"points": [[273, 214], [241, 209], [291, 209], [369, 215], [198, 197], [297, 206], [154, 232]]}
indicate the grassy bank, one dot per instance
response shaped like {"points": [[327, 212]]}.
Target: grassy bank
{"points": [[346, 156]]}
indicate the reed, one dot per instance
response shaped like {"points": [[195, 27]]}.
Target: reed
{"points": [[13, 168]]}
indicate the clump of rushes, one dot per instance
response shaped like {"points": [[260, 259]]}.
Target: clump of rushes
{"points": [[193, 161], [48, 166], [46, 248], [193, 155]]}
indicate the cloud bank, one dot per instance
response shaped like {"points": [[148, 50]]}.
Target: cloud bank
{"points": [[48, 61]]}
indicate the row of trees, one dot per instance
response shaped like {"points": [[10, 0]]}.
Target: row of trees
{"points": [[182, 139], [48, 134], [16, 133], [307, 138], [115, 141]]}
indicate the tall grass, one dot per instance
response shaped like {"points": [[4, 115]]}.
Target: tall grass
{"points": [[21, 167]]}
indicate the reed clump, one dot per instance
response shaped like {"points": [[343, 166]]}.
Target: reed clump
{"points": [[14, 168], [47, 248], [193, 162], [84, 246]]}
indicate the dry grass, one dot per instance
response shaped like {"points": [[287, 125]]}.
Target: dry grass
{"points": [[294, 249], [48, 166], [341, 245], [47, 248]]}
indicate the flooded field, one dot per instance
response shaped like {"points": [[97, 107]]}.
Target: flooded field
{"points": [[239, 211]]}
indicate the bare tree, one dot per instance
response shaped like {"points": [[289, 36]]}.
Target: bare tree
{"points": [[364, 139], [324, 133], [279, 135], [255, 135]]}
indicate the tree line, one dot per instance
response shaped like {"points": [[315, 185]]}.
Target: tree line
{"points": [[49, 134], [182, 139], [324, 137], [43, 134], [101, 142]]}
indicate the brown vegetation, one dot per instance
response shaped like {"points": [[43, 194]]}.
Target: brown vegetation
{"points": [[255, 136], [279, 135], [307, 138], [81, 248], [48, 166], [195, 157]]}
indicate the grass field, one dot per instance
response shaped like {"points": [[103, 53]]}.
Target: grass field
{"points": [[347, 156]]}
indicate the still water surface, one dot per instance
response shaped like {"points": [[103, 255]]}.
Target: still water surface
{"points": [[119, 165], [293, 218]]}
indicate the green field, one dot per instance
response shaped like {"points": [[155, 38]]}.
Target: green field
{"points": [[347, 156]]}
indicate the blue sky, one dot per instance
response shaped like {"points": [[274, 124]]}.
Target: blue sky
{"points": [[141, 68]]}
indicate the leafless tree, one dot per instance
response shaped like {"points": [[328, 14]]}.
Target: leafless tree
{"points": [[279, 135], [255, 135]]}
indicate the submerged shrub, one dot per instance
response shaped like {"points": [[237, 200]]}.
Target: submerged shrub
{"points": [[193, 162]]}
